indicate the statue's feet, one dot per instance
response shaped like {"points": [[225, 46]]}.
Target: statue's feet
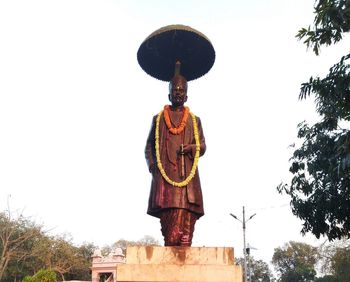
{"points": [[185, 241]]}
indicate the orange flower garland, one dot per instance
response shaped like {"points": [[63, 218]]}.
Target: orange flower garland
{"points": [[175, 130]]}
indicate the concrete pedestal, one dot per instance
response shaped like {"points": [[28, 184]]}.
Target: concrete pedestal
{"points": [[190, 264]]}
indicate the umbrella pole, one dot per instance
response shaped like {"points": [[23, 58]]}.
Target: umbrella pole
{"points": [[177, 67]]}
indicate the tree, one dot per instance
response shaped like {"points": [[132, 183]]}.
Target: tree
{"points": [[332, 19], [259, 270], [43, 275], [295, 262], [59, 254], [341, 264], [336, 260], [327, 278], [16, 239], [146, 240], [121, 243], [81, 268], [25, 249], [62, 255], [320, 186]]}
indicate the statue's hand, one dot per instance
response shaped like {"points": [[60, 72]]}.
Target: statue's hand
{"points": [[188, 148], [151, 168]]}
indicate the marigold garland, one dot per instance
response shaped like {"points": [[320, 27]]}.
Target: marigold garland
{"points": [[181, 127], [196, 157]]}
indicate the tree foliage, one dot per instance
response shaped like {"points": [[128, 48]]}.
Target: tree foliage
{"points": [[28, 252], [43, 275], [332, 19], [25, 249], [295, 262], [17, 236], [336, 260], [146, 240], [259, 270], [320, 187], [81, 270], [60, 255], [327, 278]]}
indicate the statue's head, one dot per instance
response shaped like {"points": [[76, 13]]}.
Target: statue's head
{"points": [[178, 90]]}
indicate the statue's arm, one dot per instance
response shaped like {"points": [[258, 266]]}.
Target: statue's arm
{"points": [[190, 149], [203, 147], [149, 150]]}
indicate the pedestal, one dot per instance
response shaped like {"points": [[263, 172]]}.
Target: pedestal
{"points": [[190, 264]]}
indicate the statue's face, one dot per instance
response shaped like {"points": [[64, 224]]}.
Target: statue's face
{"points": [[178, 91]]}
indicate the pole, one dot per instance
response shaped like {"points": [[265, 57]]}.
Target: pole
{"points": [[244, 248], [244, 243]]}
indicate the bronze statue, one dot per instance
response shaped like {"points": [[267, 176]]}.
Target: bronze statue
{"points": [[177, 207], [176, 139]]}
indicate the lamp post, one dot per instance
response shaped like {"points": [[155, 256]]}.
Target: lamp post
{"points": [[244, 244]]}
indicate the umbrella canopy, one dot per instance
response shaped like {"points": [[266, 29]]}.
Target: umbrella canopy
{"points": [[161, 50]]}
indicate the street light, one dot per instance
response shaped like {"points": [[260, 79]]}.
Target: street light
{"points": [[244, 245]]}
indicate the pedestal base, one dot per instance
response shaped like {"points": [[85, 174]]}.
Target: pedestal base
{"points": [[190, 264]]}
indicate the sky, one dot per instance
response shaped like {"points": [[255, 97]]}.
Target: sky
{"points": [[76, 109]]}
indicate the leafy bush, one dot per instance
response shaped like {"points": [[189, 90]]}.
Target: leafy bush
{"points": [[43, 275]]}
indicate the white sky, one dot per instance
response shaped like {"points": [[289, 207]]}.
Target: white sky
{"points": [[76, 108]]}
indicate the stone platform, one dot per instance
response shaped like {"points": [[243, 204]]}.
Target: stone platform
{"points": [[190, 264]]}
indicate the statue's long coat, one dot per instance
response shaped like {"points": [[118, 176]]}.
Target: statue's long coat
{"points": [[163, 195]]}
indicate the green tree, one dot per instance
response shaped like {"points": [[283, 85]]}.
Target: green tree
{"points": [[25, 249], [259, 270], [341, 264], [81, 268], [336, 259], [320, 186], [295, 262], [327, 278], [17, 236], [43, 275], [62, 256]]}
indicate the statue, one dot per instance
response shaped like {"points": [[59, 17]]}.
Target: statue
{"points": [[176, 196], [176, 139]]}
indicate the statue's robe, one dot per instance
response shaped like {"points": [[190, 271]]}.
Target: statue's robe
{"points": [[164, 195]]}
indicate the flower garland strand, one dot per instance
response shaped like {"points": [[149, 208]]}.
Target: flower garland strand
{"points": [[196, 157], [175, 130]]}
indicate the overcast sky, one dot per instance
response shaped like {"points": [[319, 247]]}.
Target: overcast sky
{"points": [[76, 109]]}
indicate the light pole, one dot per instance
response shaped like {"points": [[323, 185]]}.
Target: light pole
{"points": [[248, 249], [244, 245]]}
